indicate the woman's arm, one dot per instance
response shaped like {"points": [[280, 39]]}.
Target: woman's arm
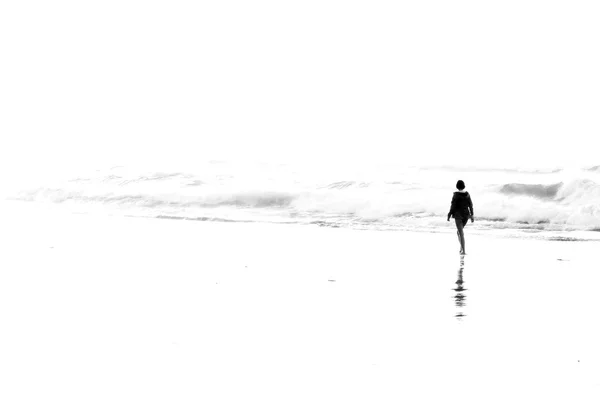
{"points": [[452, 206], [471, 208]]}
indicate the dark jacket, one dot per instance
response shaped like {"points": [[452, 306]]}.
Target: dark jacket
{"points": [[462, 206]]}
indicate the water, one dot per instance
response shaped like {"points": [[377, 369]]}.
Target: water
{"points": [[559, 204]]}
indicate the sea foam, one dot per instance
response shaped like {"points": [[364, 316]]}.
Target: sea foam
{"points": [[377, 197]]}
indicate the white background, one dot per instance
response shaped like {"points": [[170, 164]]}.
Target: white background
{"points": [[512, 83]]}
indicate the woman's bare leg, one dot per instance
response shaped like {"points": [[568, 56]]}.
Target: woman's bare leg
{"points": [[461, 234]]}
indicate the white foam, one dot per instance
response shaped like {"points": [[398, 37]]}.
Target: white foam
{"points": [[379, 193]]}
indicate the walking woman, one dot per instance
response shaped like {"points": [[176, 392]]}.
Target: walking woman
{"points": [[461, 210]]}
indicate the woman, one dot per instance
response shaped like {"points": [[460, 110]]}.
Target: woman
{"points": [[461, 210]]}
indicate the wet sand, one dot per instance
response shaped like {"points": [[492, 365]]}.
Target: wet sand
{"points": [[105, 306]]}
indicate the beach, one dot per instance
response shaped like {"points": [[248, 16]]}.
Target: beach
{"points": [[101, 306], [210, 199]]}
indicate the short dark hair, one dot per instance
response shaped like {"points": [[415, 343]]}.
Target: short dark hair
{"points": [[460, 184]]}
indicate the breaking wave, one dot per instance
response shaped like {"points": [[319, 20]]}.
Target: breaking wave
{"points": [[535, 190], [390, 198], [239, 199]]}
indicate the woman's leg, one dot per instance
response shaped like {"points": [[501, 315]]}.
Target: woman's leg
{"points": [[460, 232]]}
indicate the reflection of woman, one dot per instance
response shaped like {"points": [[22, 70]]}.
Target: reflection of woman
{"points": [[461, 210], [460, 298]]}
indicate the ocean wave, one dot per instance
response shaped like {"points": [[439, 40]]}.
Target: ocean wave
{"points": [[502, 199], [537, 190], [474, 169], [253, 199], [144, 178], [346, 184], [212, 219], [239, 199]]}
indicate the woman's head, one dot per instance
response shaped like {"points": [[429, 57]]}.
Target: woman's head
{"points": [[460, 185]]}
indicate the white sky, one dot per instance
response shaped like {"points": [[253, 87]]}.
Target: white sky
{"points": [[463, 82]]}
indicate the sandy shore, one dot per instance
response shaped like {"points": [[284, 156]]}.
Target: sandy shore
{"points": [[96, 306]]}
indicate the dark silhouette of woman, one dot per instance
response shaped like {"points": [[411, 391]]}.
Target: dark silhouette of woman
{"points": [[461, 210]]}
